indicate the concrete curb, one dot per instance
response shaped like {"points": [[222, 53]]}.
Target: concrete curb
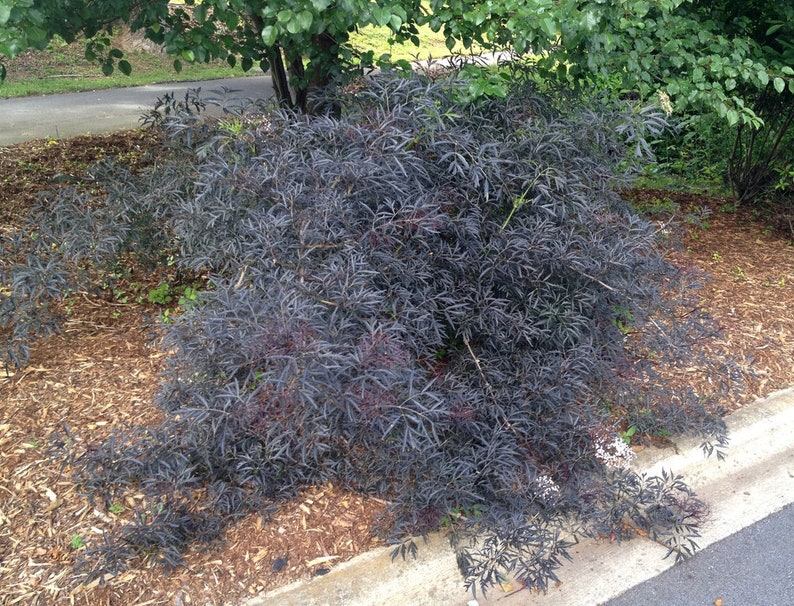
{"points": [[755, 480]]}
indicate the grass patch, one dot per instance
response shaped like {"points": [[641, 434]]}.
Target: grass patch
{"points": [[433, 45], [77, 83], [62, 68]]}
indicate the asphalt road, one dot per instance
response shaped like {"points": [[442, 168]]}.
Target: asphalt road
{"points": [[103, 111], [754, 567]]}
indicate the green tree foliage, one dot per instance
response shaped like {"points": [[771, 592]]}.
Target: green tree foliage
{"points": [[697, 53], [759, 156], [302, 42], [756, 155], [703, 55], [734, 59]]}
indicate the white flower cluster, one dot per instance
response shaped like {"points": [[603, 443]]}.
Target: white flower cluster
{"points": [[612, 451], [664, 102], [546, 488]]}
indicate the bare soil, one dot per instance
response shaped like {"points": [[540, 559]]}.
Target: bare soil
{"points": [[101, 372]]}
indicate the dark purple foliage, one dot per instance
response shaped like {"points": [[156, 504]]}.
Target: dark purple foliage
{"points": [[439, 302]]}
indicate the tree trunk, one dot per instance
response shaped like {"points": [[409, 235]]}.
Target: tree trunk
{"points": [[757, 152], [296, 88], [278, 74]]}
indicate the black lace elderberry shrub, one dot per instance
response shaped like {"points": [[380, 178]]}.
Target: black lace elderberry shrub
{"points": [[442, 303]]}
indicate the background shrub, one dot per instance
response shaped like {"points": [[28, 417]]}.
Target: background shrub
{"points": [[441, 302], [696, 151]]}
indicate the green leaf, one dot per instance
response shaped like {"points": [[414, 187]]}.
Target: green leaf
{"points": [[177, 65], [403, 64], [5, 14], [125, 67], [200, 13], [231, 60], [562, 71], [697, 75], [116, 53], [37, 35], [269, 35], [381, 15], [247, 63], [188, 55], [293, 27], [774, 28], [77, 542], [2, 72], [549, 27], [779, 84], [304, 19], [320, 5], [107, 68]]}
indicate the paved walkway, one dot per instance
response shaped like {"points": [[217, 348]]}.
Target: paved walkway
{"points": [[730, 570], [103, 111]]}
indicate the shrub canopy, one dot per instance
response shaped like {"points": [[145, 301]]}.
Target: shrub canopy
{"points": [[443, 303]]}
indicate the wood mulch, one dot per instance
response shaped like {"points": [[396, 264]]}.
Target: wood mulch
{"points": [[101, 372]]}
